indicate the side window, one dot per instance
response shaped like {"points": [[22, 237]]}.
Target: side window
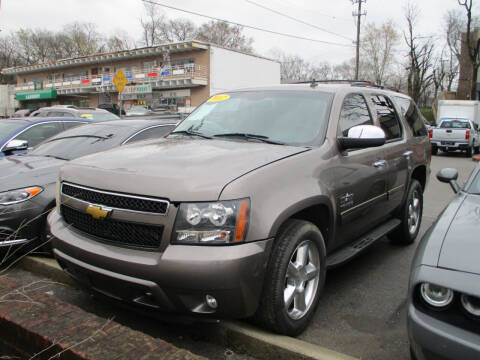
{"points": [[354, 112], [57, 114], [413, 116], [155, 132], [37, 133], [387, 117], [71, 124]]}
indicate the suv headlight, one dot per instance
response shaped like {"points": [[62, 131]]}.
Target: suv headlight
{"points": [[19, 195], [220, 222]]}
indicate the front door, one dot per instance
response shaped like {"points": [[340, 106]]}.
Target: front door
{"points": [[361, 188]]}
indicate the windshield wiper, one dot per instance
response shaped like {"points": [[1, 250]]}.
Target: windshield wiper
{"points": [[86, 136], [251, 136], [190, 132], [55, 157]]}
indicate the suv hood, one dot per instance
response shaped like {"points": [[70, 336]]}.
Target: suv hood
{"points": [[177, 169], [461, 245], [22, 171]]}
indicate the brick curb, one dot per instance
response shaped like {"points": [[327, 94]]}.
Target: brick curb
{"points": [[241, 337], [35, 322]]}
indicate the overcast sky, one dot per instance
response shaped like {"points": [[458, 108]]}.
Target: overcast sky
{"points": [[332, 15]]}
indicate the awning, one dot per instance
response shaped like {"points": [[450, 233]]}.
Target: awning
{"points": [[36, 95]]}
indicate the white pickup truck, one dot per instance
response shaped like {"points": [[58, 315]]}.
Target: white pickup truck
{"points": [[455, 134]]}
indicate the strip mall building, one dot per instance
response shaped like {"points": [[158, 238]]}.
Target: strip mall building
{"points": [[182, 74]]}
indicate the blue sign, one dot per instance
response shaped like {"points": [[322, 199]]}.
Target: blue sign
{"points": [[107, 78], [164, 73]]}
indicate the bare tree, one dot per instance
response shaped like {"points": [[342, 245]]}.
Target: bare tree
{"points": [[471, 44], [84, 39], [177, 30], [378, 46], [119, 41], [151, 24], [420, 54], [223, 34], [295, 68]]}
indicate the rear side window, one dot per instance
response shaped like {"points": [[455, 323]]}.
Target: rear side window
{"points": [[413, 116], [151, 133], [37, 133], [354, 112], [387, 117]]}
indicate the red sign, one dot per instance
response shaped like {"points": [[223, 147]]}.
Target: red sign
{"points": [[152, 74], [85, 81]]}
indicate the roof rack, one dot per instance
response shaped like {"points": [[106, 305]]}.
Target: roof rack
{"points": [[365, 83]]}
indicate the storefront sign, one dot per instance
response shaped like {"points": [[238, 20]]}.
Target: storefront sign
{"points": [[36, 95], [131, 92], [172, 93]]}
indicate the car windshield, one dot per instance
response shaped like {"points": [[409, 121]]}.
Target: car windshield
{"points": [[9, 127], [80, 141], [287, 117], [99, 116], [455, 124]]}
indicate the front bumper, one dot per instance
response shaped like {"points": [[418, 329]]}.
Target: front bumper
{"points": [[176, 279], [433, 339], [20, 223]]}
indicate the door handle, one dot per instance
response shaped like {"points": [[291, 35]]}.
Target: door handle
{"points": [[379, 163], [408, 153]]}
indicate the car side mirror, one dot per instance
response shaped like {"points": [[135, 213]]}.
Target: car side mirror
{"points": [[362, 136], [449, 176], [14, 145]]}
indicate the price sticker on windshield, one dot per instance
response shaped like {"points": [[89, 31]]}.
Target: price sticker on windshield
{"points": [[87, 116], [219, 97]]}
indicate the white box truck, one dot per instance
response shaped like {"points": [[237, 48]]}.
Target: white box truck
{"points": [[458, 109]]}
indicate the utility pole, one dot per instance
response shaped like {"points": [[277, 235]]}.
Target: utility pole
{"points": [[358, 14]]}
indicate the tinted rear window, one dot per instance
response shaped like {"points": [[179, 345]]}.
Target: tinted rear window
{"points": [[455, 124]]}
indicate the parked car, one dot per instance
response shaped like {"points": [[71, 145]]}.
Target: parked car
{"points": [[455, 134], [138, 110], [72, 111], [27, 182], [22, 113], [19, 135], [243, 207], [113, 108], [444, 295]]}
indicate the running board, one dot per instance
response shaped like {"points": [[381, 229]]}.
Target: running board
{"points": [[346, 253]]}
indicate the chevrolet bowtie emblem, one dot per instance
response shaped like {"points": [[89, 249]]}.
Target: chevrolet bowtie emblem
{"points": [[98, 212]]}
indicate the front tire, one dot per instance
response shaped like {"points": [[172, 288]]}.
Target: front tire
{"points": [[294, 279], [410, 215]]}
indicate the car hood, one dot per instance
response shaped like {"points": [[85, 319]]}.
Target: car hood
{"points": [[461, 246], [21, 171], [182, 169]]}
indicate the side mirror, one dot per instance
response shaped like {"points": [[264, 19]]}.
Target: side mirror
{"points": [[449, 176], [362, 136], [14, 145]]}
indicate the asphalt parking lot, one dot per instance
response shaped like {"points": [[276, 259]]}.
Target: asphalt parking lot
{"points": [[362, 310]]}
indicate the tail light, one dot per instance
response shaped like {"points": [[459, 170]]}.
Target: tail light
{"points": [[467, 134], [430, 133]]}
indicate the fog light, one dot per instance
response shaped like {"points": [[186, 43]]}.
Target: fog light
{"points": [[471, 304], [211, 301], [435, 295]]}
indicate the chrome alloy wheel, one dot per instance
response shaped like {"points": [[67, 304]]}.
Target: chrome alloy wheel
{"points": [[301, 279], [414, 212]]}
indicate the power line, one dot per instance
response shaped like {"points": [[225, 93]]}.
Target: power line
{"points": [[297, 20], [246, 26]]}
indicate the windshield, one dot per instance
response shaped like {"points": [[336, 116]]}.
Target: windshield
{"points": [[80, 141], [288, 117], [9, 127], [455, 124], [99, 116]]}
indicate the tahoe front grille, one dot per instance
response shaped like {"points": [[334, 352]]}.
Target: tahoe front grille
{"points": [[115, 200], [117, 232]]}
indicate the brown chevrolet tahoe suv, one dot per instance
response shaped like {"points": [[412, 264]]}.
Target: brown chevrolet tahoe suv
{"points": [[241, 210]]}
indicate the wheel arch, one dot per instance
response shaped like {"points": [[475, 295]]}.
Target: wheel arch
{"points": [[317, 210], [420, 174]]}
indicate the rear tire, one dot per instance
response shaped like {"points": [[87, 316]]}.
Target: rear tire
{"points": [[470, 152], [434, 150], [410, 215], [294, 279], [477, 149]]}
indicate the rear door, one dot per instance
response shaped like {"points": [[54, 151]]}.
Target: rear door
{"points": [[397, 153], [361, 188]]}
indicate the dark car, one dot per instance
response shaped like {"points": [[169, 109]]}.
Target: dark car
{"points": [[19, 135], [23, 112], [27, 182], [113, 108], [76, 112], [240, 211], [444, 291]]}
